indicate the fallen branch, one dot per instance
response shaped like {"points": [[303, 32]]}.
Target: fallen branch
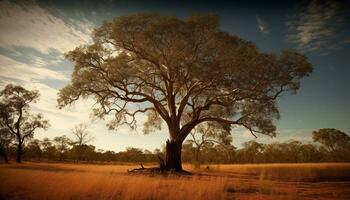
{"points": [[136, 169]]}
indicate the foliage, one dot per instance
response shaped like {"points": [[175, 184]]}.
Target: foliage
{"points": [[62, 144], [183, 73], [336, 142], [251, 152], [15, 117], [5, 140], [207, 134]]}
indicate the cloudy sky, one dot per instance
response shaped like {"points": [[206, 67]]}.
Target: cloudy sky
{"points": [[34, 35]]}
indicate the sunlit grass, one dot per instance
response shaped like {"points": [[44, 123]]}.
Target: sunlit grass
{"points": [[87, 181]]}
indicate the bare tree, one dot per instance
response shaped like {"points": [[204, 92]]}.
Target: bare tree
{"points": [[81, 138], [15, 116], [183, 73], [81, 135]]}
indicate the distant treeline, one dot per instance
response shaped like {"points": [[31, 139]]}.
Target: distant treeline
{"points": [[60, 150]]}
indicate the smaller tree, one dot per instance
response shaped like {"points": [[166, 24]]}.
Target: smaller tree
{"points": [[33, 150], [81, 135], [293, 150], [131, 154], [83, 152], [336, 142], [62, 144], [80, 140], [209, 133], [251, 152], [310, 153], [49, 150], [108, 156], [15, 116]]}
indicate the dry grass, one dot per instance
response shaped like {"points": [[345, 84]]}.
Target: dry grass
{"points": [[262, 181], [291, 171]]}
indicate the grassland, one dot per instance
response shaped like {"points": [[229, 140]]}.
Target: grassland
{"points": [[251, 181]]}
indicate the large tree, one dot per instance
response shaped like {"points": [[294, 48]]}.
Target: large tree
{"points": [[183, 73], [15, 115]]}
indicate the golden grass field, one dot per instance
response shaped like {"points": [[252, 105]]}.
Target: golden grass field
{"points": [[249, 181]]}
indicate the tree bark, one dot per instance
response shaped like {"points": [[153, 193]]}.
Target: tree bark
{"points": [[19, 153], [173, 156], [6, 158], [197, 159], [3, 153]]}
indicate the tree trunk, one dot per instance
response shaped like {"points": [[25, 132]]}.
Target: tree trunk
{"points": [[5, 158], [19, 153], [173, 156], [3, 154], [197, 158]]}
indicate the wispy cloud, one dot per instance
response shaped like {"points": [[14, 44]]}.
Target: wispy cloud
{"points": [[22, 72], [29, 25], [33, 42], [319, 26], [262, 26]]}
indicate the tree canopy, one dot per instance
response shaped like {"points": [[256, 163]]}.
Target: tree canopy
{"points": [[183, 73], [335, 142], [15, 117]]}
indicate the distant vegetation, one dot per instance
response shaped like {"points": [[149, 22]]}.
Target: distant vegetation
{"points": [[330, 145], [207, 143]]}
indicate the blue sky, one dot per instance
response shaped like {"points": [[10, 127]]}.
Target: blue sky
{"points": [[34, 36]]}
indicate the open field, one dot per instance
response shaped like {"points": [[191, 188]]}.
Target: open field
{"points": [[250, 181]]}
